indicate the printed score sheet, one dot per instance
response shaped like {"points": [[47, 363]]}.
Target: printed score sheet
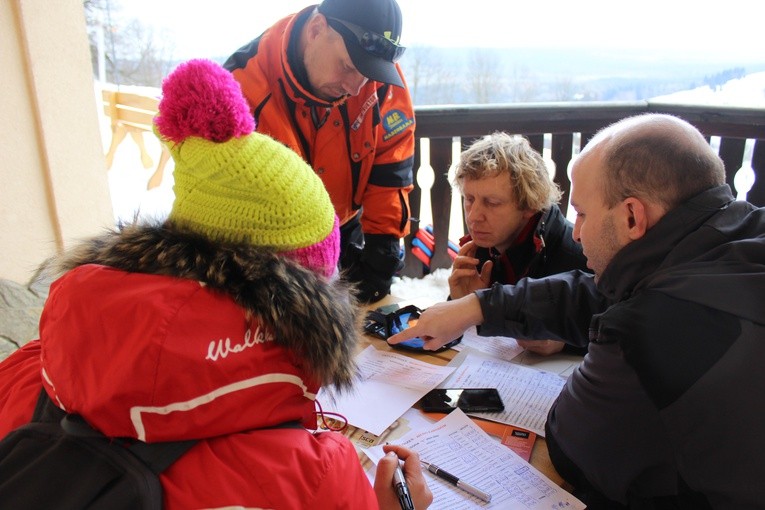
{"points": [[527, 393], [459, 446]]}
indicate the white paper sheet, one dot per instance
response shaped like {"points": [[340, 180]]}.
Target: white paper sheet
{"points": [[502, 347], [390, 384], [507, 348], [459, 446], [527, 393]]}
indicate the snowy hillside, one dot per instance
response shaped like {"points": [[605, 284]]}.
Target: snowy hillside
{"points": [[748, 91]]}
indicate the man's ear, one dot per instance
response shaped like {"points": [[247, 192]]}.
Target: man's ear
{"points": [[315, 25], [637, 218]]}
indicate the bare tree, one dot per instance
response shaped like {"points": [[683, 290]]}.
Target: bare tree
{"points": [[563, 89], [430, 80], [524, 86], [131, 52], [484, 79], [143, 60], [415, 62]]}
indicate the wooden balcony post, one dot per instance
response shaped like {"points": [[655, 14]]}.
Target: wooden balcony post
{"points": [[441, 200]]}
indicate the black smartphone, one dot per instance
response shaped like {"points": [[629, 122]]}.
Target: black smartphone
{"points": [[404, 319], [468, 399]]}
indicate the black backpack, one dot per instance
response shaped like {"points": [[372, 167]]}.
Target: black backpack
{"points": [[57, 461]]}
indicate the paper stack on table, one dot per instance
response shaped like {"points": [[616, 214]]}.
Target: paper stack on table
{"points": [[507, 348], [527, 393], [390, 384], [459, 446]]}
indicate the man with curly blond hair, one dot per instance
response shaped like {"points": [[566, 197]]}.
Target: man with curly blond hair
{"points": [[515, 228]]}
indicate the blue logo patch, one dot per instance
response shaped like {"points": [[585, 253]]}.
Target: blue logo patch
{"points": [[394, 123]]}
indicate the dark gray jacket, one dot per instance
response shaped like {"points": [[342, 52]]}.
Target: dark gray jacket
{"points": [[669, 399]]}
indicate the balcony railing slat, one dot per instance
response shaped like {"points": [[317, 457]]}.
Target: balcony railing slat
{"points": [[726, 121], [534, 118], [732, 153], [412, 265], [537, 142], [562, 150], [441, 200], [526, 118], [756, 195]]}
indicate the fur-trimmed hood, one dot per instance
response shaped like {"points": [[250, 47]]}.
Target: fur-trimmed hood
{"points": [[192, 325]]}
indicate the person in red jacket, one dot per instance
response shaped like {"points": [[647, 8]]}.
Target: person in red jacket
{"points": [[325, 82], [218, 325]]}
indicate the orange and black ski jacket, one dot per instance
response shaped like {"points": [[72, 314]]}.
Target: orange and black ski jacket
{"points": [[362, 147]]}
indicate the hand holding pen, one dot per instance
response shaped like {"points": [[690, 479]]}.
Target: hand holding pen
{"points": [[388, 499], [401, 488]]}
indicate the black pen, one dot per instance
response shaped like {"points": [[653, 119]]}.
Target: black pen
{"points": [[402, 489], [456, 481]]}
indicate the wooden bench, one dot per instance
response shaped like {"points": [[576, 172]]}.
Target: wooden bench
{"points": [[132, 114]]}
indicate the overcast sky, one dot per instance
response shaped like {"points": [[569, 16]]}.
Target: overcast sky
{"points": [[212, 29]]}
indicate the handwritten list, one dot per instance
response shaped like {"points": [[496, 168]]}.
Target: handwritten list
{"points": [[526, 392], [459, 446]]}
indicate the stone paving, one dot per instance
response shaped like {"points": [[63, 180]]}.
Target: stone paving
{"points": [[20, 308]]}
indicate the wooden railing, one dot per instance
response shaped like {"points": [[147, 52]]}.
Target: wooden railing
{"points": [[557, 130], [132, 113], [561, 129]]}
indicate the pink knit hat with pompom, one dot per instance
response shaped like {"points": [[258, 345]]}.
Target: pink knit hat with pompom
{"points": [[235, 185]]}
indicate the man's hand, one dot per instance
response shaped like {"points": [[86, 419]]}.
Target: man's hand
{"points": [[465, 278], [443, 322], [542, 347], [418, 486]]}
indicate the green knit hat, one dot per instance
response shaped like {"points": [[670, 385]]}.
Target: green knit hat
{"points": [[235, 185], [251, 189]]}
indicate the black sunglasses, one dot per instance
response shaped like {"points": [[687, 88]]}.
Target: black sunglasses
{"points": [[372, 43]]}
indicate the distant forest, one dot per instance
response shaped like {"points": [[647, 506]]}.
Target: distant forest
{"points": [[133, 55], [481, 75]]}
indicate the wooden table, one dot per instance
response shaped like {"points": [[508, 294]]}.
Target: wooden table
{"points": [[540, 457]]}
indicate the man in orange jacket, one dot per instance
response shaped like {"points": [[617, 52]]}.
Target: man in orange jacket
{"points": [[325, 82]]}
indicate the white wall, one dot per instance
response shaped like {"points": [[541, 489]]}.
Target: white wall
{"points": [[54, 187]]}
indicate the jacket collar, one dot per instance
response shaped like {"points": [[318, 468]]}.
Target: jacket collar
{"points": [[640, 259], [324, 319]]}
